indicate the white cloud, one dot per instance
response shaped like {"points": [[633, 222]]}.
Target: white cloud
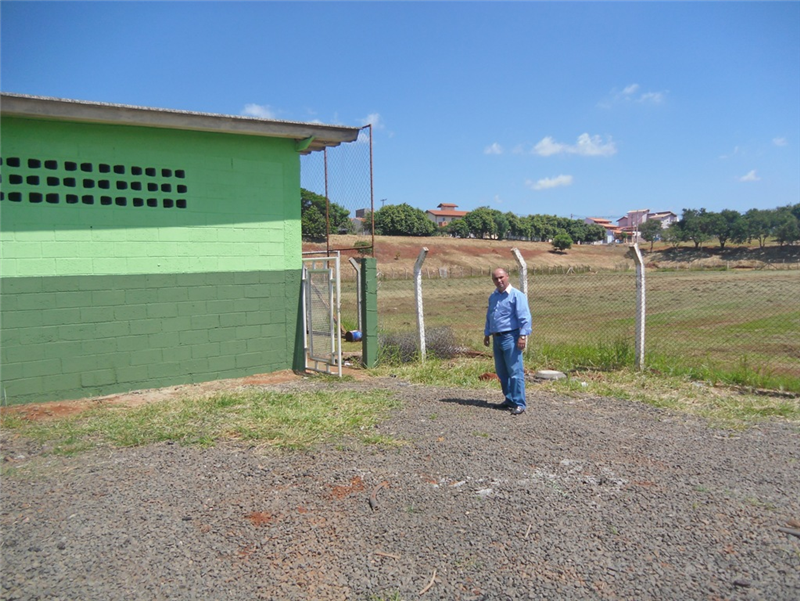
{"points": [[586, 145], [750, 177], [495, 148], [548, 146], [780, 141], [262, 111], [549, 182], [593, 146], [652, 97], [373, 119], [631, 93]]}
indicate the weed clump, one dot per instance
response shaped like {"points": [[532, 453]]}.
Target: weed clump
{"points": [[395, 348]]}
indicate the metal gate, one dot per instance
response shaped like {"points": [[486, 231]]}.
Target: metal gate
{"points": [[322, 314]]}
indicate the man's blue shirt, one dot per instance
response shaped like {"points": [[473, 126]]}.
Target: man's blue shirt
{"points": [[508, 310]]}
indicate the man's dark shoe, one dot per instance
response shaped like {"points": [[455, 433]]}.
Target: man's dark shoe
{"points": [[505, 405], [518, 410]]}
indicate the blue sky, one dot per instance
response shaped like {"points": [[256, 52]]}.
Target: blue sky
{"points": [[572, 108]]}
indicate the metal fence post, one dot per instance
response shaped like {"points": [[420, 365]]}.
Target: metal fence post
{"points": [[640, 307], [418, 294]]}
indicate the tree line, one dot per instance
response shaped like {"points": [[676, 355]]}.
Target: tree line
{"points": [[696, 226], [700, 226], [405, 220]]}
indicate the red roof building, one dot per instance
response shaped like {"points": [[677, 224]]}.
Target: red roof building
{"points": [[445, 215]]}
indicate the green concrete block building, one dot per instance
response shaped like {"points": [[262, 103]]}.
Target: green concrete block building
{"points": [[146, 247]]}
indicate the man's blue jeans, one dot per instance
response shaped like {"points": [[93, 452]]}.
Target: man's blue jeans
{"points": [[509, 367]]}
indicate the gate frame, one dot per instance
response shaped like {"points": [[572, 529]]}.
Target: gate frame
{"points": [[336, 317]]}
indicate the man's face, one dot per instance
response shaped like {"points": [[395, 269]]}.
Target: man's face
{"points": [[500, 279]]}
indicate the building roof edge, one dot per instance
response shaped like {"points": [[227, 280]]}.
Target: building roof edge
{"points": [[45, 107]]}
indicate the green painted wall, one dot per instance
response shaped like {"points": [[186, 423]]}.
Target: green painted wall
{"points": [[135, 257]]}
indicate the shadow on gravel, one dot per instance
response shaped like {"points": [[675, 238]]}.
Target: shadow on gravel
{"points": [[474, 403]]}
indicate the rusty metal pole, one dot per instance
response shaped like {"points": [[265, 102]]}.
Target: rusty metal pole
{"points": [[371, 193], [327, 205]]}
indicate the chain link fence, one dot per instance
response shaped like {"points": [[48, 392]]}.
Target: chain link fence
{"points": [[727, 319], [343, 174]]}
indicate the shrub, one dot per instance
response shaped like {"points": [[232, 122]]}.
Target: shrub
{"points": [[562, 242], [401, 347]]}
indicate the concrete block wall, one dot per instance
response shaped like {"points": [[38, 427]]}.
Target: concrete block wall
{"points": [[137, 257]]}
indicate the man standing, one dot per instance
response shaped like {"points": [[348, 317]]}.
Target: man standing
{"points": [[508, 321]]}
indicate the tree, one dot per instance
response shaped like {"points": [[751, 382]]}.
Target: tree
{"points": [[367, 222], [650, 231], [692, 226], [674, 234], [759, 225], [595, 233], [313, 208], [538, 228], [787, 228], [458, 228], [576, 229], [519, 227], [562, 241], [543, 227], [501, 224], [481, 222], [724, 224], [402, 220]]}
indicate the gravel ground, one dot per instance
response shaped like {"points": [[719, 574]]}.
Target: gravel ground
{"points": [[587, 498]]}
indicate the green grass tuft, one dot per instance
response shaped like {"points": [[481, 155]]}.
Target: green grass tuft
{"points": [[280, 420]]}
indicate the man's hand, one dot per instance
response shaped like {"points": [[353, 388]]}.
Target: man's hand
{"points": [[486, 341], [521, 342]]}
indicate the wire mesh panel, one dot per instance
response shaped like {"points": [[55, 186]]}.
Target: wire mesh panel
{"points": [[566, 307], [582, 308], [343, 174], [321, 313], [727, 319]]}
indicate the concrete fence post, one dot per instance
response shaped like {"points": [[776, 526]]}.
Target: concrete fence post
{"points": [[523, 271], [357, 267], [640, 307], [523, 278], [369, 312], [418, 294]]}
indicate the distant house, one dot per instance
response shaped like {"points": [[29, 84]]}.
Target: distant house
{"points": [[445, 215], [633, 219], [612, 230], [629, 225], [358, 220], [667, 218]]}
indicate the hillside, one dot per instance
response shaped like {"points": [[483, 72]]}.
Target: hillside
{"points": [[400, 253]]}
